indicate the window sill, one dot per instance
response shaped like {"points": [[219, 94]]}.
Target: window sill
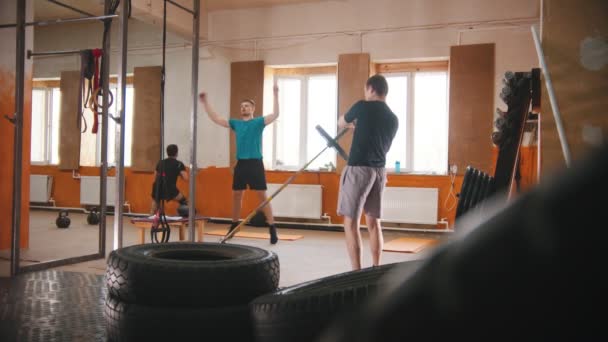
{"points": [[296, 170], [393, 173]]}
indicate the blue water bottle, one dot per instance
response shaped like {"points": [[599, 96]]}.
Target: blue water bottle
{"points": [[397, 167]]}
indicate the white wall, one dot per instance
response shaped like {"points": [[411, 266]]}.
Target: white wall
{"points": [[310, 33], [8, 14], [390, 30], [214, 78], [144, 43], [514, 52]]}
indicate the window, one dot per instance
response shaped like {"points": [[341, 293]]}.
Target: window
{"points": [[90, 149], [90, 144], [112, 138], [419, 99], [45, 126], [46, 104], [305, 101]]}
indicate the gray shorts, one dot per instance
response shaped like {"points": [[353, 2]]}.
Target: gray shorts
{"points": [[361, 189]]}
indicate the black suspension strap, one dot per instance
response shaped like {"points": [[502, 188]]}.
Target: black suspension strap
{"points": [[160, 224], [80, 118]]}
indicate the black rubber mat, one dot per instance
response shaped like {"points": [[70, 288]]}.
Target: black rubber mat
{"points": [[52, 306]]}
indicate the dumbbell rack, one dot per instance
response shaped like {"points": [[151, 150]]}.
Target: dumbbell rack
{"points": [[517, 94], [520, 91]]}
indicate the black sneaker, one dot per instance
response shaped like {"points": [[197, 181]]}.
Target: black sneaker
{"points": [[273, 234]]}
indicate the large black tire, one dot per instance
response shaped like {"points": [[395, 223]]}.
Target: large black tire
{"points": [[134, 322], [191, 274], [302, 312]]}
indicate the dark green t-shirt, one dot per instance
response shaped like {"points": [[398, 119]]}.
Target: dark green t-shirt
{"points": [[248, 137], [375, 130]]}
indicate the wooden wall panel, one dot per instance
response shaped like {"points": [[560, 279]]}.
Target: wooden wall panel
{"points": [[246, 82], [353, 72], [69, 132], [578, 66], [7, 136], [471, 106], [528, 168], [146, 149]]}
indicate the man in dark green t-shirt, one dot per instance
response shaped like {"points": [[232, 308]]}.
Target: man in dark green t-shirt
{"points": [[249, 169], [364, 178]]}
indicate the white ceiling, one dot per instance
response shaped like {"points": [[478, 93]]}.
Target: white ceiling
{"points": [[45, 10], [216, 5]]}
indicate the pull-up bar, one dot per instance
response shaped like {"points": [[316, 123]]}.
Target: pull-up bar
{"points": [[31, 54], [62, 21], [181, 7]]}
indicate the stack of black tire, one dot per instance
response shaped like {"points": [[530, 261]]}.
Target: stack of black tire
{"points": [[224, 292], [303, 312], [186, 291]]}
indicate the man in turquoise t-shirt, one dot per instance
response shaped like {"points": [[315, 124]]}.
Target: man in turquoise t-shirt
{"points": [[249, 169]]}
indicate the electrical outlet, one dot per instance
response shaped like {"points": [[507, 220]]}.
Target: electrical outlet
{"points": [[453, 169]]}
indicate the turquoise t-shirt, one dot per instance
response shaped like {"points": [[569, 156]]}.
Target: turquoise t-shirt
{"points": [[248, 137]]}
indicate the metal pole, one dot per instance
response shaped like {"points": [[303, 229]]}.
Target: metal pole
{"points": [[18, 139], [62, 21], [31, 54], [193, 166], [233, 231], [103, 180], [194, 12], [550, 91], [120, 128]]}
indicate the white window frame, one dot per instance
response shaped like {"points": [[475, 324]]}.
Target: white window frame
{"points": [[407, 166], [303, 152], [111, 112], [48, 111]]}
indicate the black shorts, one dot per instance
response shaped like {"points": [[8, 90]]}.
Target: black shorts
{"points": [[249, 172]]}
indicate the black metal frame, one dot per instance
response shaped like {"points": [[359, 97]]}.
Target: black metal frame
{"points": [[16, 268], [17, 120], [62, 21], [194, 12]]}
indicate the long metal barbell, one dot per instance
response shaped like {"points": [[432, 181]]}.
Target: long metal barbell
{"points": [[331, 143]]}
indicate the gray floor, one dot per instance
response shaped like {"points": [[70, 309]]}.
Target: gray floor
{"points": [[317, 254]]}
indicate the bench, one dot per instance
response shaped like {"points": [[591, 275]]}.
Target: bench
{"points": [[181, 224]]}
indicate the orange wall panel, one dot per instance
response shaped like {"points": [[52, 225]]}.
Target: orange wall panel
{"points": [[214, 190], [528, 166], [7, 136]]}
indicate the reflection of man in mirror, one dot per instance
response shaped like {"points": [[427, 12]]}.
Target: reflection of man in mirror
{"points": [[165, 179]]}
